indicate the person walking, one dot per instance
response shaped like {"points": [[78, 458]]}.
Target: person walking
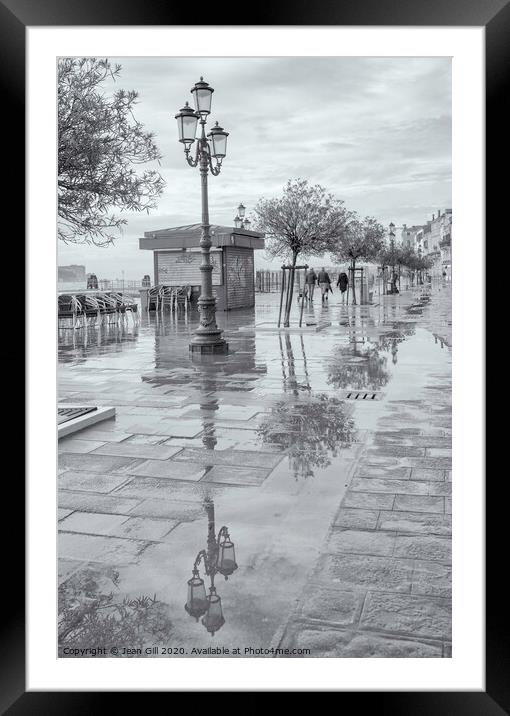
{"points": [[324, 283], [342, 283], [310, 281]]}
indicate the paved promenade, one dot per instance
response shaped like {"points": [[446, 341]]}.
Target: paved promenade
{"points": [[339, 508]]}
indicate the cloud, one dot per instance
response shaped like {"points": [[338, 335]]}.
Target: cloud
{"points": [[375, 131]]}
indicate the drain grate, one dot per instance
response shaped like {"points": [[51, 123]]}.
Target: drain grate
{"points": [[65, 414], [362, 395]]}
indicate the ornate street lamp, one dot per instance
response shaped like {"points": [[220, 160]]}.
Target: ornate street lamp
{"points": [[240, 222], [392, 254], [196, 605], [219, 557], [208, 337]]}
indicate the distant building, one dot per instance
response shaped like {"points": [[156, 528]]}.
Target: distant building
{"points": [[92, 281], [445, 242], [71, 273], [408, 235], [433, 240]]}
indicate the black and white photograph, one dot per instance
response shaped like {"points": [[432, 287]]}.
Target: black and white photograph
{"points": [[255, 271]]}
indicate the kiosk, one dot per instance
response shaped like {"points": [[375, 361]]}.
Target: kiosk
{"points": [[177, 260]]}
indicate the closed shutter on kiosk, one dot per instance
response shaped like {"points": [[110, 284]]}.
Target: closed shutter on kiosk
{"points": [[182, 268]]}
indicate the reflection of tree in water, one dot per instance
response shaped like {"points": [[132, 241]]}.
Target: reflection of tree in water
{"points": [[310, 430], [365, 371], [361, 365], [90, 616], [390, 340]]}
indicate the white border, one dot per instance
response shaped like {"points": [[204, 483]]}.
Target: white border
{"points": [[465, 671]]}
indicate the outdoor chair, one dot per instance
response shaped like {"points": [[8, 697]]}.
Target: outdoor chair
{"points": [[182, 297], [110, 305], [166, 297], [153, 299], [125, 304], [70, 307]]}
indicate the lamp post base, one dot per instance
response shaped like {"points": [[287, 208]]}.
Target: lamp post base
{"points": [[218, 347]]}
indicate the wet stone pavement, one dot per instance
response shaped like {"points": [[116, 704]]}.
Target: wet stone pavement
{"points": [[339, 509]]}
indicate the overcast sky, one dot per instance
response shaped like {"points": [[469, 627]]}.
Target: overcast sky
{"points": [[374, 131]]}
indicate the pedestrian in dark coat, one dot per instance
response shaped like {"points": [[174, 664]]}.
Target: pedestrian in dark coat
{"points": [[342, 283]]}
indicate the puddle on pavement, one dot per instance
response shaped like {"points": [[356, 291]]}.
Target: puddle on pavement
{"points": [[273, 394]]}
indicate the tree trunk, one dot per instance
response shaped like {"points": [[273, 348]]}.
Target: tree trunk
{"points": [[290, 293], [353, 275]]}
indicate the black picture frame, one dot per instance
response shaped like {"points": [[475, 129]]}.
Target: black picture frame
{"points": [[494, 15]]}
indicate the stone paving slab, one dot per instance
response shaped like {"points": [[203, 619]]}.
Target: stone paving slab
{"points": [[418, 473], [174, 489], [422, 523], [419, 503], [328, 641], [362, 542], [143, 528], [90, 481], [439, 463], [236, 476], [94, 502], [168, 469], [362, 519], [389, 472], [231, 412], [425, 547], [94, 434], [327, 604], [97, 523], [440, 488], [78, 446], [176, 511], [98, 548], [394, 487], [127, 449], [369, 500], [93, 463], [432, 578], [229, 457], [146, 439], [181, 429], [366, 571], [397, 451], [407, 614]]}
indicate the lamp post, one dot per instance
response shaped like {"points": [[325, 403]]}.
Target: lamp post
{"points": [[392, 254], [208, 337], [219, 557], [240, 222]]}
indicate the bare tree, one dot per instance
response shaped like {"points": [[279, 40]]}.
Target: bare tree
{"points": [[100, 144], [305, 219], [361, 240]]}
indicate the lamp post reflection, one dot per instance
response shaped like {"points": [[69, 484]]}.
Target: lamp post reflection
{"points": [[219, 557]]}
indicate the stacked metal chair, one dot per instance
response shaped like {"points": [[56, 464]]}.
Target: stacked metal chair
{"points": [[171, 296], [94, 308]]}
